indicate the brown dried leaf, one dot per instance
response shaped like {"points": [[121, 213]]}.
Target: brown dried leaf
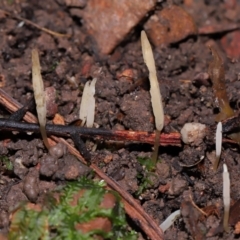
{"points": [[217, 75], [170, 25]]}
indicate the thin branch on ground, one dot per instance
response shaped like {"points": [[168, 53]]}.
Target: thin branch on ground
{"points": [[173, 139], [56, 34]]}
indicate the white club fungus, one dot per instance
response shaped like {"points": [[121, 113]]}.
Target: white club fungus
{"points": [[39, 95], [87, 107], [156, 97], [226, 196], [218, 144], [170, 220]]}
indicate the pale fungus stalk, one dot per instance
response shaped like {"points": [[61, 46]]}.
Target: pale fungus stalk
{"points": [[156, 97], [87, 107], [218, 145], [226, 196], [170, 220], [39, 95], [155, 93]]}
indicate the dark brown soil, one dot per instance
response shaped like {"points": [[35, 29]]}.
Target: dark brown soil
{"points": [[122, 103]]}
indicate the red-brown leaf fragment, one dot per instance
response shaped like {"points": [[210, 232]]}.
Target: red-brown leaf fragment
{"points": [[170, 25], [110, 21]]}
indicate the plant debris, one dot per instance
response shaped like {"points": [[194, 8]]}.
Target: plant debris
{"points": [[217, 75]]}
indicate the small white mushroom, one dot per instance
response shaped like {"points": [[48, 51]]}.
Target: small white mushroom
{"points": [[218, 144]]}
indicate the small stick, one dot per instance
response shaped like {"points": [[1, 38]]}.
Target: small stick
{"points": [[194, 205], [56, 34], [100, 134], [12, 105], [80, 145]]}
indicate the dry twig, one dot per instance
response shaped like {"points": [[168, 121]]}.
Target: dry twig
{"points": [[56, 34]]}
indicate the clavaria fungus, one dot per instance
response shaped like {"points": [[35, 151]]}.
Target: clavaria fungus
{"points": [[39, 95], [155, 93], [226, 196], [87, 107], [170, 220], [218, 144], [156, 97]]}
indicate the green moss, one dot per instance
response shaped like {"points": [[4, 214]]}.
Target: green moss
{"points": [[57, 219], [147, 163], [53, 66], [6, 162], [144, 181]]}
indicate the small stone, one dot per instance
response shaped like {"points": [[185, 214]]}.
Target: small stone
{"points": [[193, 133], [31, 185], [72, 173], [58, 150], [70, 168], [170, 25], [52, 107], [48, 166], [163, 170], [177, 186]]}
